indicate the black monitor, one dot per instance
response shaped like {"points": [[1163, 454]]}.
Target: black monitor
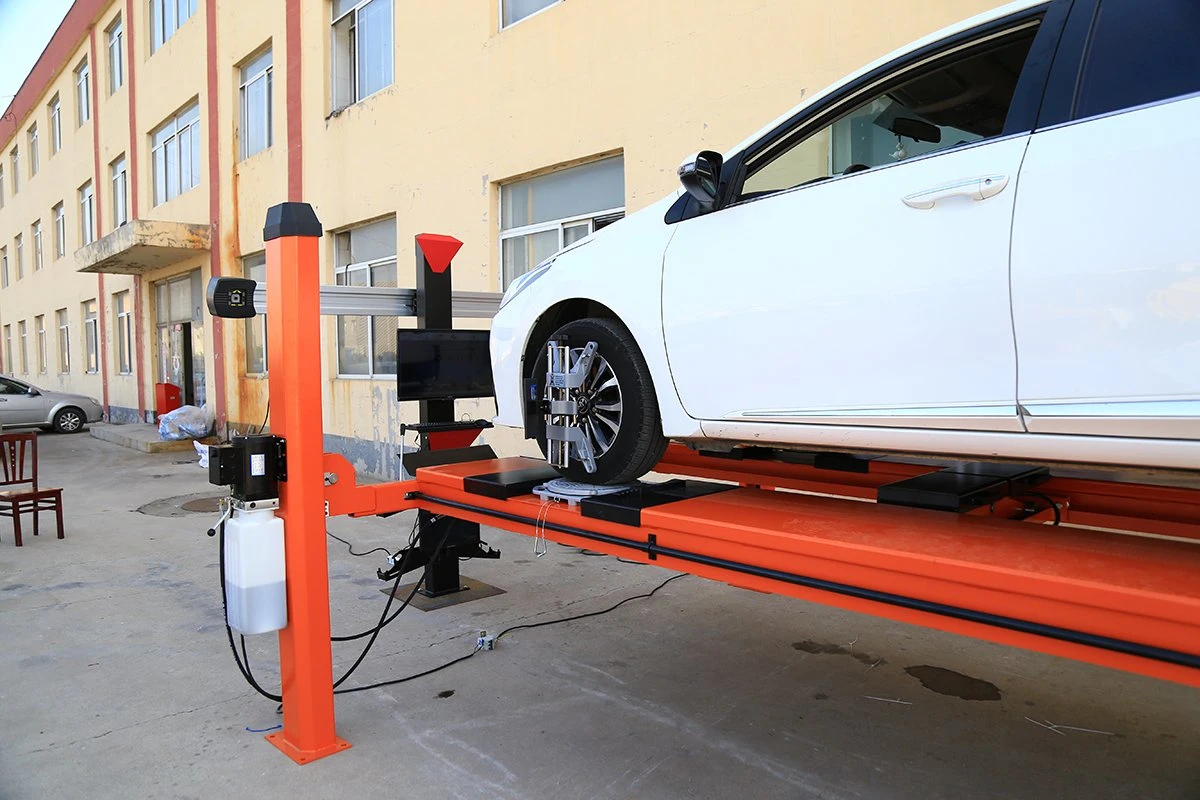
{"points": [[440, 364]]}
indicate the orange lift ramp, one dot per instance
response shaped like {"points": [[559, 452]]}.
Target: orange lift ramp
{"points": [[1093, 570]]}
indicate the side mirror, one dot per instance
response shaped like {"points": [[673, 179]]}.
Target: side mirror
{"points": [[700, 174], [33, 392]]}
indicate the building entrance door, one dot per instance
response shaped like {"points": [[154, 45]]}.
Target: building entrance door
{"points": [[181, 336]]}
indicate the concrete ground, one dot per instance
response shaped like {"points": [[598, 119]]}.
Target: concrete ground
{"points": [[116, 680]]}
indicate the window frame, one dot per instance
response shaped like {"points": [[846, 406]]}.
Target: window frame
{"points": [[4, 267], [54, 118], [23, 333], [19, 253], [368, 266], [14, 160], [542, 10], [158, 34], [60, 229], [39, 329], [35, 233], [123, 341], [267, 74], [31, 137], [119, 185], [10, 365], [83, 92], [172, 140], [356, 79], [89, 310], [87, 214], [2, 185], [259, 321], [63, 318], [115, 36]]}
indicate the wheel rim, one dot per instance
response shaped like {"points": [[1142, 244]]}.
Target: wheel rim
{"points": [[600, 403], [70, 421]]}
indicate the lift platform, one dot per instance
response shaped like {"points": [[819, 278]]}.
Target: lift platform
{"points": [[1099, 571]]}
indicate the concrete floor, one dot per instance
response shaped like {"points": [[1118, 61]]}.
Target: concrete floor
{"points": [[116, 681]]}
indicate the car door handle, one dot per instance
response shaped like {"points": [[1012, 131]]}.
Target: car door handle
{"points": [[974, 188]]}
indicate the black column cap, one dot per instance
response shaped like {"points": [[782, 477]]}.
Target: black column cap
{"points": [[291, 219]]}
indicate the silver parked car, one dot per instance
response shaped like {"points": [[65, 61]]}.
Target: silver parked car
{"points": [[22, 404]]}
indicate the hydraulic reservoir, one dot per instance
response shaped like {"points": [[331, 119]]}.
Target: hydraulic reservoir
{"points": [[255, 585]]}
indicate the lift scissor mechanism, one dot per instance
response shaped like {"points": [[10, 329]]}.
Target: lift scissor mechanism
{"points": [[1094, 570]]}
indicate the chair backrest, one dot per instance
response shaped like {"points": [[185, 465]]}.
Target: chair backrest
{"points": [[18, 459]]}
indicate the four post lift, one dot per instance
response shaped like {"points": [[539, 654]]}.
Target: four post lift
{"points": [[1093, 570]]}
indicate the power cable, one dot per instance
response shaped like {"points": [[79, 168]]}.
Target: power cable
{"points": [[1048, 499], [350, 547], [244, 668]]}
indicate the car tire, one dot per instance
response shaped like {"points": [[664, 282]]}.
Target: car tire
{"points": [[69, 420], [630, 436]]}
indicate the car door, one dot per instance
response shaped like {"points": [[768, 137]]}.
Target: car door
{"points": [[18, 407], [858, 272], [1106, 246]]}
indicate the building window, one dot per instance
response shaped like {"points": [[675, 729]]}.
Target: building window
{"points": [[83, 95], [33, 150], [64, 341], [8, 351], [362, 49], [255, 268], [35, 231], [366, 256], [3, 267], [123, 315], [14, 157], [175, 150], [166, 17], [1, 186], [39, 326], [91, 337], [55, 113], [19, 254], [87, 214], [24, 334], [120, 192], [540, 216], [517, 10], [60, 231], [256, 130], [116, 72]]}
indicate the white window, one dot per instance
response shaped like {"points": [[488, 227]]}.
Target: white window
{"points": [[255, 268], [175, 150], [64, 341], [39, 326], [91, 337], [540, 216], [1, 186], [60, 231], [55, 113], [24, 334], [14, 157], [123, 315], [33, 150], [517, 10], [256, 133], [366, 256], [120, 192], [8, 351], [36, 231], [83, 94], [20, 256], [166, 17], [116, 39], [3, 267], [87, 214], [362, 49]]}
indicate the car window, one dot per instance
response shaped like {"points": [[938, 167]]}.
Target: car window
{"points": [[1140, 53], [11, 387], [957, 100]]}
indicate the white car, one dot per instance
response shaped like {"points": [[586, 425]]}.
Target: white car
{"points": [[986, 244]]}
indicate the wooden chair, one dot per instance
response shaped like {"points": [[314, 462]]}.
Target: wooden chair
{"points": [[19, 466]]}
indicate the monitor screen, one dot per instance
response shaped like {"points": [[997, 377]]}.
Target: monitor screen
{"points": [[437, 364]]}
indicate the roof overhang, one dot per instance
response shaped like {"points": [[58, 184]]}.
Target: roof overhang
{"points": [[143, 246]]}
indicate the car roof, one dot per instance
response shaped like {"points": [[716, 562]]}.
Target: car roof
{"points": [[967, 24]]}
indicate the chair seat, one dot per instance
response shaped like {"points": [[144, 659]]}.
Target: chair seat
{"points": [[18, 494]]}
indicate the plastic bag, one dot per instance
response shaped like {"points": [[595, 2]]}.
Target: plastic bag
{"points": [[202, 451], [185, 422]]}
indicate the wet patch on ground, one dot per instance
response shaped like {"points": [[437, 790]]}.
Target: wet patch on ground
{"points": [[954, 684], [827, 649]]}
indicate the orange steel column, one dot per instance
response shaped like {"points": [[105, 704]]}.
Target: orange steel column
{"points": [[293, 236]]}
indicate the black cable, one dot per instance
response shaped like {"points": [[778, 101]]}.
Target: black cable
{"points": [[412, 538], [243, 668], [461, 659], [384, 620], [1048, 499], [350, 547], [266, 417]]}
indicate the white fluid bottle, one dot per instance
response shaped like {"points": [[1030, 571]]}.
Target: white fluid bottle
{"points": [[255, 587]]}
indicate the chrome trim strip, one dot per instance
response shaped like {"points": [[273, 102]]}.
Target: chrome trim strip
{"points": [[999, 410], [1136, 408]]}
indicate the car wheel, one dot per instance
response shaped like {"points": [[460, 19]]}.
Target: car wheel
{"points": [[620, 416], [69, 420]]}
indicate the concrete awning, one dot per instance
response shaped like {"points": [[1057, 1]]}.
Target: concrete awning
{"points": [[143, 245]]}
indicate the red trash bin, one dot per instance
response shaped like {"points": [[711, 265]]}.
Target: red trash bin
{"points": [[167, 397]]}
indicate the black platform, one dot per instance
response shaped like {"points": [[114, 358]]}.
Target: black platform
{"points": [[511, 483], [626, 507], [962, 487]]}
